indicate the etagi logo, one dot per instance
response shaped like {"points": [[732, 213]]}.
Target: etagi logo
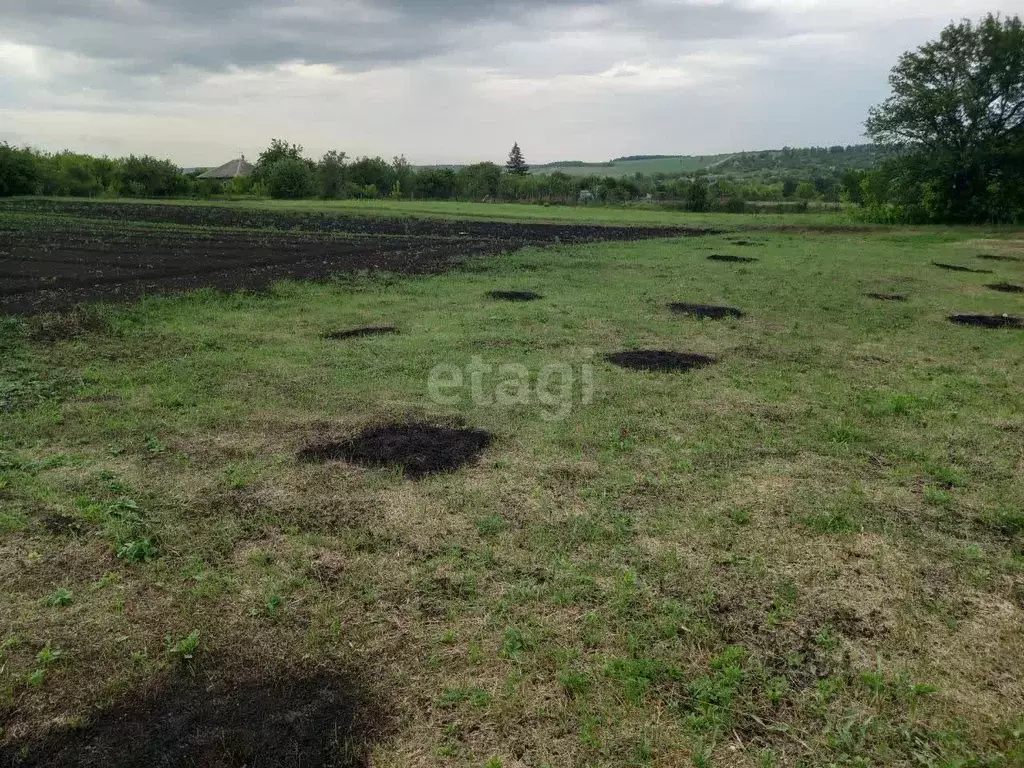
{"points": [[556, 386]]}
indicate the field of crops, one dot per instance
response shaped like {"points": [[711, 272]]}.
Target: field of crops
{"points": [[399, 485]]}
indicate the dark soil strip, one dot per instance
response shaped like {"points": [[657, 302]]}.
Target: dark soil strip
{"points": [[887, 296], [728, 258], [958, 268], [705, 311], [1006, 287], [417, 449], [514, 295], [997, 257], [988, 321], [278, 720], [110, 252], [659, 360], [343, 223], [358, 332], [742, 243]]}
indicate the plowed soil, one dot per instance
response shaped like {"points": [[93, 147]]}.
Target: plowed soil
{"points": [[74, 252]]}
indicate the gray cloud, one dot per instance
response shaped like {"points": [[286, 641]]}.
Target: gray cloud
{"points": [[158, 37], [452, 80]]}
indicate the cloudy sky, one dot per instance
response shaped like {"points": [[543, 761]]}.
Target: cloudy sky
{"points": [[201, 81]]}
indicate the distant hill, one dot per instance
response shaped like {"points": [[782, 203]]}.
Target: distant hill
{"points": [[797, 161], [627, 166]]}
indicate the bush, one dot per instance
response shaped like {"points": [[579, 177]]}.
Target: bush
{"points": [[290, 179]]}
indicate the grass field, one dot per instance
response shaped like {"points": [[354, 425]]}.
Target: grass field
{"points": [[636, 215], [806, 554]]}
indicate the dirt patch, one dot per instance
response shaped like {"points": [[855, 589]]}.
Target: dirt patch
{"points": [[417, 449], [355, 333], [1005, 287], [514, 295], [730, 259], [659, 360], [743, 243], [997, 257], [988, 321], [279, 720], [958, 268], [705, 311], [887, 296]]}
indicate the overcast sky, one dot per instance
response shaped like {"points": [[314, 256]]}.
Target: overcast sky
{"points": [[201, 81]]}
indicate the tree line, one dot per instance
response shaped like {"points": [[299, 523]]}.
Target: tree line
{"points": [[284, 172]]}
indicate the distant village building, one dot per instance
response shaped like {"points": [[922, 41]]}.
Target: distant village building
{"points": [[232, 169]]}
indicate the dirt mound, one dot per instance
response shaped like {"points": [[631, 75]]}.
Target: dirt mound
{"points": [[659, 360], [417, 449], [514, 295], [887, 296], [997, 257], [279, 720], [1006, 287], [705, 311], [958, 268], [988, 321], [729, 258], [354, 333]]}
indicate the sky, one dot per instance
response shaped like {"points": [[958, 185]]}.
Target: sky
{"points": [[202, 81]]}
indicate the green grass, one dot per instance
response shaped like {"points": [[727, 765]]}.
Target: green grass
{"points": [[807, 554]]}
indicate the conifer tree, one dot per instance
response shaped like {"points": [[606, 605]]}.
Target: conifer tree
{"points": [[516, 164]]}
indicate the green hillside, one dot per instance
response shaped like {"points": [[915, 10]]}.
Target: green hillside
{"points": [[800, 162], [628, 166]]}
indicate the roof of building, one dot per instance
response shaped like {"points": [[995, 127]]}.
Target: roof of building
{"points": [[230, 170]]}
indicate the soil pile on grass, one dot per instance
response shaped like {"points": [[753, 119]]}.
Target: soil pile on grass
{"points": [[705, 311], [997, 257], [887, 296], [417, 449], [514, 295], [958, 268], [659, 360], [730, 259], [354, 333], [988, 321], [277, 721], [1006, 287]]}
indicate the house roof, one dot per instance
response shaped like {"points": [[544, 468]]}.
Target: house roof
{"points": [[230, 170]]}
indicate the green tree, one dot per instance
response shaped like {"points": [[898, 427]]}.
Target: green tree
{"points": [[290, 179], [957, 109], [146, 176], [516, 164], [806, 191], [330, 173], [278, 150], [19, 173]]}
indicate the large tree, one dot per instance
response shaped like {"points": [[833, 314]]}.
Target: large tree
{"points": [[957, 111], [516, 164]]}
